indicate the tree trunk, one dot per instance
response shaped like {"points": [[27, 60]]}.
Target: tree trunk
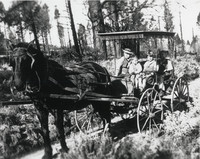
{"points": [[74, 31], [35, 32], [96, 17], [35, 36]]}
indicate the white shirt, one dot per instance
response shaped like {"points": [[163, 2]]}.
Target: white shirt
{"points": [[134, 67]]}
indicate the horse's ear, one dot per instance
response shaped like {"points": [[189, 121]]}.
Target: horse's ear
{"points": [[30, 43], [32, 49], [9, 44]]}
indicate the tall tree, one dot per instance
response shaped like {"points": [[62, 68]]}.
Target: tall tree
{"points": [[22, 13], [43, 25], [2, 11], [116, 15], [97, 20], [168, 18], [13, 17], [82, 37], [126, 14], [68, 4], [26, 14], [112, 7], [59, 27]]}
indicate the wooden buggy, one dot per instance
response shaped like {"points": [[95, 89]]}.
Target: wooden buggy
{"points": [[148, 108]]}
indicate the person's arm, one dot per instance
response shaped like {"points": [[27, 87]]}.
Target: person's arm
{"points": [[156, 67], [139, 68], [131, 68], [119, 63], [145, 67], [169, 66]]}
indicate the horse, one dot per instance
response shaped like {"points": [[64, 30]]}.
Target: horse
{"points": [[39, 77]]}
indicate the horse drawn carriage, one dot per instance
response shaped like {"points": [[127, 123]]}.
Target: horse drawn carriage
{"points": [[89, 91], [149, 105]]}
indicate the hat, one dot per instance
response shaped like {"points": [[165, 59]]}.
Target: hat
{"points": [[128, 51]]}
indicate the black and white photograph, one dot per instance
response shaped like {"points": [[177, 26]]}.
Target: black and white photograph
{"points": [[99, 79]]}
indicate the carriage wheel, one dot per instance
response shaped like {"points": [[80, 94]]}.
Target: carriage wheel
{"points": [[150, 111], [87, 120], [180, 94]]}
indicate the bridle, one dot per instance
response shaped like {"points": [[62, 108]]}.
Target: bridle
{"points": [[28, 88]]}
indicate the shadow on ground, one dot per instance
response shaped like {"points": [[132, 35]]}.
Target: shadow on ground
{"points": [[123, 127]]}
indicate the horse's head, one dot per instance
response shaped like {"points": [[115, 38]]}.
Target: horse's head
{"points": [[28, 66]]}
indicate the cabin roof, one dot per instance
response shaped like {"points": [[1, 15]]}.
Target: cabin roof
{"points": [[134, 35]]}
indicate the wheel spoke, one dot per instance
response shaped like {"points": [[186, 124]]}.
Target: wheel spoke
{"points": [[155, 96], [185, 92], [176, 106], [177, 95], [184, 89], [81, 117], [150, 124], [143, 111], [142, 118], [155, 124], [145, 123], [148, 102], [87, 120], [89, 124], [83, 125], [153, 108], [158, 111], [165, 105], [176, 88], [179, 84]]}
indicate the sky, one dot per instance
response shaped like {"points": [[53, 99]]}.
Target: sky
{"points": [[188, 8]]}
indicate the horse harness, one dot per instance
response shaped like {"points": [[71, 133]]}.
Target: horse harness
{"points": [[27, 88], [80, 94]]}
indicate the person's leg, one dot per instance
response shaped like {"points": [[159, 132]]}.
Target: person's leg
{"points": [[132, 79], [161, 83], [138, 81]]}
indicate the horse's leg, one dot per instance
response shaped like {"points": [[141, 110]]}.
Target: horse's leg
{"points": [[104, 111], [43, 118], [60, 129]]}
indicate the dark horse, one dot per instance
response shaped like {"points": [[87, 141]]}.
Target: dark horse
{"points": [[40, 77]]}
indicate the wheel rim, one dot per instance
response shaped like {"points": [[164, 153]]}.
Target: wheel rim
{"points": [[180, 94], [87, 120], [150, 111]]}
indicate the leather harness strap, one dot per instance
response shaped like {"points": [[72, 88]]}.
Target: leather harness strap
{"points": [[73, 90], [77, 91]]}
